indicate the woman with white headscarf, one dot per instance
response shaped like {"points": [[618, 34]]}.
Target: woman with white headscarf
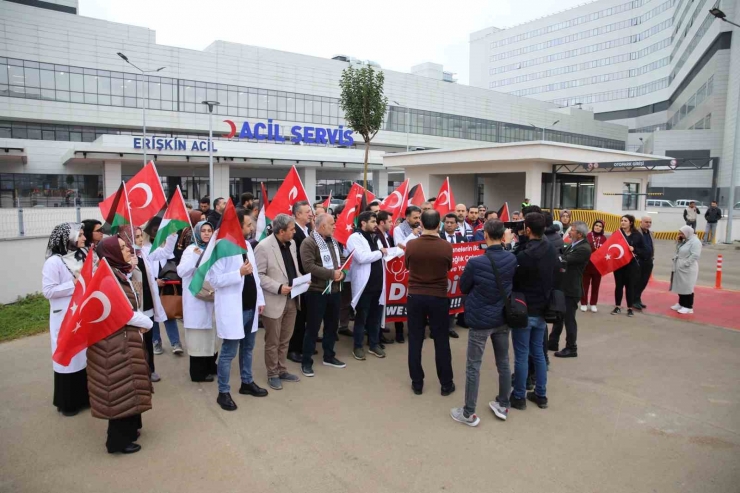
{"points": [[197, 313], [64, 259], [685, 269]]}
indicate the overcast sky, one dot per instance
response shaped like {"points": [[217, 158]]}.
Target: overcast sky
{"points": [[395, 33]]}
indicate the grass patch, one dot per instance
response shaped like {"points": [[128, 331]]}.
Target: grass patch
{"points": [[25, 317]]}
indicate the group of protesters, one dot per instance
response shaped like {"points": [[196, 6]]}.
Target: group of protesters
{"points": [[244, 292]]}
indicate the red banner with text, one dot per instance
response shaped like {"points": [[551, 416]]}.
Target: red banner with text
{"points": [[397, 281]]}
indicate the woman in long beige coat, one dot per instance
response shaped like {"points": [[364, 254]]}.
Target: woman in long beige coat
{"points": [[117, 370], [685, 269]]}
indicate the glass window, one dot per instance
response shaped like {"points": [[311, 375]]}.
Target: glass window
{"points": [[691, 104], [16, 76], [708, 121], [129, 88], [630, 199], [103, 85], [47, 79], [76, 83]]}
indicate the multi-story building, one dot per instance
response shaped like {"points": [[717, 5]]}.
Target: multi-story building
{"points": [[71, 113], [665, 68]]}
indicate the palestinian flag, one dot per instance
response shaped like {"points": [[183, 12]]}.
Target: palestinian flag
{"points": [[327, 202], [261, 219], [119, 213], [344, 268], [416, 195], [175, 218], [503, 213], [227, 241]]}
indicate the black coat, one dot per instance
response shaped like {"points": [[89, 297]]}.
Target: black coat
{"points": [[458, 237], [298, 238], [576, 257], [538, 262]]}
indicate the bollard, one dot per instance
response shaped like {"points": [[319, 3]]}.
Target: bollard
{"points": [[718, 279], [79, 214], [21, 231]]}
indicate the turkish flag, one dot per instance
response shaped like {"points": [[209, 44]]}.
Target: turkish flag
{"points": [[103, 310], [613, 255], [416, 195], [356, 203], [290, 192], [83, 280], [145, 195], [327, 202], [445, 202], [503, 213], [395, 203]]}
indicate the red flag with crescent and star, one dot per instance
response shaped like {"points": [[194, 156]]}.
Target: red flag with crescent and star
{"points": [[145, 195], [445, 202], [395, 203], [98, 308], [290, 192], [613, 255], [356, 202]]}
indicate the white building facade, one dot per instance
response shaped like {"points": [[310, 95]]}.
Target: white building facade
{"points": [[71, 114], [665, 68]]}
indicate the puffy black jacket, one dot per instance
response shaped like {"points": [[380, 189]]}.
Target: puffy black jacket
{"points": [[553, 236], [713, 215], [484, 307], [538, 262]]}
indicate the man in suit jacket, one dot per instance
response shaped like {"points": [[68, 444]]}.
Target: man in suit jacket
{"points": [[277, 265], [576, 255], [451, 234], [302, 216]]}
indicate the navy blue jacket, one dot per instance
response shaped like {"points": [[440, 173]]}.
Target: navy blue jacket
{"points": [[538, 263], [484, 307]]}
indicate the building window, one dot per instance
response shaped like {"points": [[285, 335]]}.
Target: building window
{"points": [[572, 191], [35, 190], [631, 198]]}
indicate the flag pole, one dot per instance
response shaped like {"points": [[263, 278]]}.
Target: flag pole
{"points": [[128, 207], [183, 203], [159, 180]]}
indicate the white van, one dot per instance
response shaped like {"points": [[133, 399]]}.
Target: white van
{"points": [[659, 203], [685, 203]]}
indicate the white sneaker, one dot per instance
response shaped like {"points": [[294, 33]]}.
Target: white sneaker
{"points": [[500, 411], [584, 308], [676, 307], [685, 311], [593, 309]]}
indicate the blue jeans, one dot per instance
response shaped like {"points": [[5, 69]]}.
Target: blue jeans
{"points": [[228, 353], [528, 341], [368, 317], [173, 333]]}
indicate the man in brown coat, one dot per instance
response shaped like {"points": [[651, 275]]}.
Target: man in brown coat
{"points": [[321, 257]]}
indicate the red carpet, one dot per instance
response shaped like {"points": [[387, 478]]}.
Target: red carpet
{"points": [[711, 306]]}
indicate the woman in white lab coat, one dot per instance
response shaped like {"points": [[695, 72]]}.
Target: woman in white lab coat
{"points": [[64, 259], [203, 345]]}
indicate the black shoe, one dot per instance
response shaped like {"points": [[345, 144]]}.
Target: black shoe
{"points": [[520, 404], [567, 353], [540, 401], [616, 311], [131, 448], [69, 414], [386, 340], [345, 332], [417, 390], [400, 339], [454, 334], [295, 357], [553, 346], [448, 390], [630, 313], [637, 306], [226, 402], [252, 389], [643, 306], [208, 378]]}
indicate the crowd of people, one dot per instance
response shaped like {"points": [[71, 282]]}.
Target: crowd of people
{"points": [[241, 293]]}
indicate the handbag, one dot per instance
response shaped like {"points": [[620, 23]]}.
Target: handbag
{"points": [[515, 305], [171, 302], [556, 306], [206, 293]]}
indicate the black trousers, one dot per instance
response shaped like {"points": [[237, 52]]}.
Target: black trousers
{"points": [[149, 342], [686, 300], [571, 327], [436, 310], [122, 432], [646, 270], [626, 280], [299, 329], [321, 307]]}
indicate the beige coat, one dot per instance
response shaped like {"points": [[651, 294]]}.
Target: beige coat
{"points": [[272, 275]]}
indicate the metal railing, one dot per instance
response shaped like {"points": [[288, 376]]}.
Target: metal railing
{"points": [[20, 223]]}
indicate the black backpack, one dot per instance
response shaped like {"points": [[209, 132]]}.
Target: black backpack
{"points": [[515, 305]]}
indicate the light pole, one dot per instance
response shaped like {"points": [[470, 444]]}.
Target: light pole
{"points": [[144, 97], [408, 122], [715, 11], [543, 128], [210, 105]]}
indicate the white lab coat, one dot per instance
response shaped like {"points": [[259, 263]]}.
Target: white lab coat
{"points": [[154, 262], [196, 314], [58, 286], [359, 271], [400, 239], [228, 283]]}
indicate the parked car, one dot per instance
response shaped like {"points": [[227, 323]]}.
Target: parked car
{"points": [[685, 203], [660, 203]]}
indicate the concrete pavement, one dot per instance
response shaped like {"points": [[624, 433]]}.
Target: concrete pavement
{"points": [[650, 405]]}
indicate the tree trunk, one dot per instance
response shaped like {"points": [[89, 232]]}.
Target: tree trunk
{"points": [[367, 153]]}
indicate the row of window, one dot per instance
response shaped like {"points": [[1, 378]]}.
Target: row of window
{"points": [[703, 124], [649, 129], [631, 92], [705, 91], [698, 10], [583, 51], [571, 23], [597, 31], [461, 127], [35, 190], [692, 46], [595, 79]]}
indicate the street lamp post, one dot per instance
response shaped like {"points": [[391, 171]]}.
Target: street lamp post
{"points": [[144, 97], [715, 11], [408, 122], [210, 105], [543, 128]]}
